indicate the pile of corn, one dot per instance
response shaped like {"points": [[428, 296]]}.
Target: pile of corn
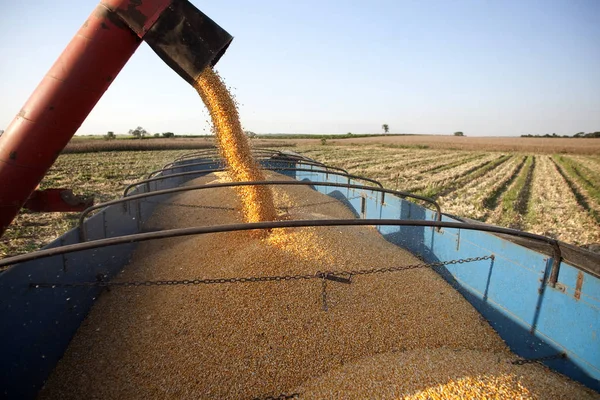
{"points": [[384, 336], [441, 374]]}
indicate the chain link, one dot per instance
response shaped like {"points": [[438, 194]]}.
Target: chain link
{"points": [[318, 275], [408, 267], [524, 361], [280, 397]]}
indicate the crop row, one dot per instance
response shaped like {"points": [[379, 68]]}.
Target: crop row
{"points": [[477, 197], [554, 210], [513, 206], [584, 184], [431, 185]]}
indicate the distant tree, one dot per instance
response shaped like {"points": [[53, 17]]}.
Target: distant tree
{"points": [[110, 135], [168, 135], [250, 134], [579, 134], [459, 134], [385, 127], [157, 135], [349, 134], [138, 132]]}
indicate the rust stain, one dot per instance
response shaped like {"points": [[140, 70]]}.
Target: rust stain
{"points": [[578, 285], [12, 155], [22, 113]]}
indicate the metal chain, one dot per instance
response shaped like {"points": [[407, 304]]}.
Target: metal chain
{"points": [[318, 275], [280, 397], [524, 361], [407, 267]]}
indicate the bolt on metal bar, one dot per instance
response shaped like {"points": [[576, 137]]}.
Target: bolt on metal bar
{"points": [[252, 183], [180, 232], [203, 171]]}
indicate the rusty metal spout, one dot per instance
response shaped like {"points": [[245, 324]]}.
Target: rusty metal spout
{"points": [[186, 39]]}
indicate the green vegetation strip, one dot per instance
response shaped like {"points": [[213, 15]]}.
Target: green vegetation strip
{"points": [[587, 178], [580, 183], [515, 200], [522, 203], [460, 179], [491, 200]]}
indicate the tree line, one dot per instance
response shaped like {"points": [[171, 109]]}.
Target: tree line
{"points": [[139, 133], [577, 135]]}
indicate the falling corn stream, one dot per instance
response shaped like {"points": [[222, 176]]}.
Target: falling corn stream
{"points": [[257, 201]]}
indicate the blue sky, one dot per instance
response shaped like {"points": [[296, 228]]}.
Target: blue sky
{"points": [[488, 68]]}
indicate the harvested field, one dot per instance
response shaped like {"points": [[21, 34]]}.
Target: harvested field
{"points": [[519, 190], [515, 201], [103, 175], [414, 142], [98, 145], [530, 145], [583, 181], [474, 184], [264, 339], [555, 210], [484, 191]]}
